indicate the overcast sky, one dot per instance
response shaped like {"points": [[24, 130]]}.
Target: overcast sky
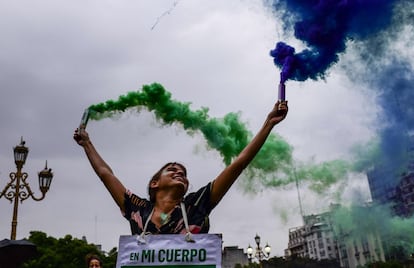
{"points": [[59, 57]]}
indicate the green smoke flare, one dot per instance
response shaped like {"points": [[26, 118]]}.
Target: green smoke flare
{"points": [[272, 166]]}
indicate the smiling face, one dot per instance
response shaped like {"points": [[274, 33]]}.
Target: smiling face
{"points": [[174, 174], [171, 175]]}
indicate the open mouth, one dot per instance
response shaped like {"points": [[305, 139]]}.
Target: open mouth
{"points": [[179, 178]]}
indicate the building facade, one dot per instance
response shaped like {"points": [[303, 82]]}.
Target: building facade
{"points": [[297, 245], [392, 184], [319, 236], [319, 239], [232, 256], [356, 251], [314, 240]]}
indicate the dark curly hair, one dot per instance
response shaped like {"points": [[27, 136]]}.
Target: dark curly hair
{"points": [[91, 257]]}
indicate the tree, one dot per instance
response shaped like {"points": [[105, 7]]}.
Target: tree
{"points": [[280, 262], [251, 265], [388, 264], [66, 252]]}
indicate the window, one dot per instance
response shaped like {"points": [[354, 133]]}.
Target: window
{"points": [[319, 234]]}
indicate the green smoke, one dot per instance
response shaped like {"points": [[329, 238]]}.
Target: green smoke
{"points": [[319, 177], [226, 135], [323, 175], [356, 222], [273, 166], [366, 155]]}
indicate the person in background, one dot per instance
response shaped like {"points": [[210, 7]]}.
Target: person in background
{"points": [[93, 261]]}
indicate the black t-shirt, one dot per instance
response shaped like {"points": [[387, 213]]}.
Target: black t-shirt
{"points": [[197, 205]]}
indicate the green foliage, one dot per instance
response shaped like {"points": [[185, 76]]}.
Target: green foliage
{"points": [[66, 252], [402, 263], [250, 265], [296, 262]]}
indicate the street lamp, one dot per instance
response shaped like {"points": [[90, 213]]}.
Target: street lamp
{"points": [[259, 253], [18, 189]]}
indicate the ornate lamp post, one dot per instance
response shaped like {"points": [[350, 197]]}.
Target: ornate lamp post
{"points": [[259, 253], [18, 189]]}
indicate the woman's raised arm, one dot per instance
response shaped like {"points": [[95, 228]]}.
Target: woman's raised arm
{"points": [[229, 175], [101, 168]]}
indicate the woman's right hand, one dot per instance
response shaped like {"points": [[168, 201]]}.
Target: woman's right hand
{"points": [[81, 136]]}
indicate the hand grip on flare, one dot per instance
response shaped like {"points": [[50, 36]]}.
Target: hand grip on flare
{"points": [[281, 98], [84, 120]]}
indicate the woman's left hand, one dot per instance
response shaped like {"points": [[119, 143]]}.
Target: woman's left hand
{"points": [[279, 112]]}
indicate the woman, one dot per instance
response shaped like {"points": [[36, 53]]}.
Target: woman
{"points": [[168, 210], [93, 261]]}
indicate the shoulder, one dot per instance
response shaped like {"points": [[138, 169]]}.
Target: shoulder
{"points": [[134, 200], [202, 193]]}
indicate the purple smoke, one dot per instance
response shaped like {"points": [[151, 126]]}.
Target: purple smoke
{"points": [[325, 26]]}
